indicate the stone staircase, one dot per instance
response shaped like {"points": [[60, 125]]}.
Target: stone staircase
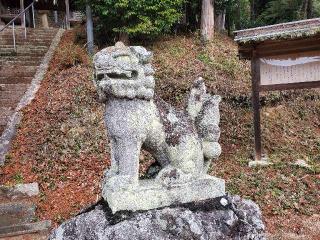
{"points": [[17, 69], [17, 214]]}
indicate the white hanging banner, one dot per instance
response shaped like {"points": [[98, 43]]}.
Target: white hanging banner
{"points": [[290, 68]]}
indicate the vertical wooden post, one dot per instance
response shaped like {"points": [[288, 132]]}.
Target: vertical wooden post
{"points": [[255, 69], [67, 14], [23, 23], [90, 39]]}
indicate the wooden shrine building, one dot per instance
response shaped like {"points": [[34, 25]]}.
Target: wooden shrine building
{"points": [[283, 57]]}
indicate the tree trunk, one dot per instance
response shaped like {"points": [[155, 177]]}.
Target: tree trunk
{"points": [[67, 13], [220, 20], [253, 10], [310, 9], [229, 24], [124, 37], [207, 20], [238, 22], [22, 16], [306, 9], [184, 19], [90, 39]]}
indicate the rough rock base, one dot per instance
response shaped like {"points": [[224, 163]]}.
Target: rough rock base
{"points": [[239, 219]]}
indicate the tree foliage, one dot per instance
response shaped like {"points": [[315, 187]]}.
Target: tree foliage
{"points": [[253, 13], [278, 11], [135, 17], [153, 17]]}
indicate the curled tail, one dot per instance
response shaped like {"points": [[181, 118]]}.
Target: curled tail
{"points": [[203, 108]]}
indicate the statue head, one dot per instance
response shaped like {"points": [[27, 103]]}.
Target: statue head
{"points": [[124, 72]]}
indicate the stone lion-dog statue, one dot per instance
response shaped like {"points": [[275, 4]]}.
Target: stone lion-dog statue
{"points": [[183, 142]]}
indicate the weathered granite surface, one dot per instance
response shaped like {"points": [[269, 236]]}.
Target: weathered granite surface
{"points": [[239, 219], [184, 141]]}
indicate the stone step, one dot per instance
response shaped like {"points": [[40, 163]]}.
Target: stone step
{"points": [[29, 38], [11, 94], [32, 46], [22, 58], [34, 231], [10, 102], [29, 35], [5, 63], [18, 71], [18, 74], [38, 36], [27, 50], [2, 127], [14, 68], [9, 41], [25, 47], [11, 52], [14, 87], [8, 32], [18, 192], [28, 236], [19, 60], [15, 79], [31, 31], [40, 42], [7, 52], [13, 213], [26, 42], [21, 30], [4, 117]]}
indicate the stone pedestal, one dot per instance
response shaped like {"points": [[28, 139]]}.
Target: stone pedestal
{"points": [[151, 194]]}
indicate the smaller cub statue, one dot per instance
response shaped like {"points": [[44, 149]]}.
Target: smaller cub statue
{"points": [[183, 142]]}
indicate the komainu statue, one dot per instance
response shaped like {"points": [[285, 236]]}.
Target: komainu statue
{"points": [[182, 142]]}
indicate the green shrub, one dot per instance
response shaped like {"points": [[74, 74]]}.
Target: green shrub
{"points": [[71, 55]]}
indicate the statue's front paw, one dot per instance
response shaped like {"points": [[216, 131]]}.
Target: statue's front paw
{"points": [[120, 182], [108, 173]]}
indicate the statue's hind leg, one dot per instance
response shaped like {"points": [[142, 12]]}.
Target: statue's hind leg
{"points": [[187, 155]]}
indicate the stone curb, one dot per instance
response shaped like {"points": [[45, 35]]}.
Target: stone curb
{"points": [[15, 119]]}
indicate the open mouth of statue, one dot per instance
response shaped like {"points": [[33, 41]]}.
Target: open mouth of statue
{"points": [[121, 75]]}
